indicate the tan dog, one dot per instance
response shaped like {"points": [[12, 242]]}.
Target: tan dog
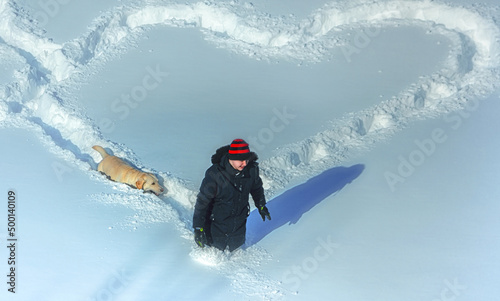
{"points": [[117, 170]]}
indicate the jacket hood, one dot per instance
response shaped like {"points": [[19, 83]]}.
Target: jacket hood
{"points": [[223, 151]]}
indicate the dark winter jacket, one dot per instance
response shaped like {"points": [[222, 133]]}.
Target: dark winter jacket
{"points": [[222, 206]]}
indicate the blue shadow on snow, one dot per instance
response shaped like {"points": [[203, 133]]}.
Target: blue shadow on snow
{"points": [[293, 203]]}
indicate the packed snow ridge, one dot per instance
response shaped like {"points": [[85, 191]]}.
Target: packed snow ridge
{"points": [[34, 98]]}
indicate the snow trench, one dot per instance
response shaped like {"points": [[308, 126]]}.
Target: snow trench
{"points": [[35, 98]]}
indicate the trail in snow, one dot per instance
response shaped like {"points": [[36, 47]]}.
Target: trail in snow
{"points": [[35, 99]]}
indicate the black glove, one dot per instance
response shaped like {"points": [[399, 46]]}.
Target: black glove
{"points": [[264, 213], [200, 237]]}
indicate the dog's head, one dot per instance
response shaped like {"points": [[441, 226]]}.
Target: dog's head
{"points": [[149, 182]]}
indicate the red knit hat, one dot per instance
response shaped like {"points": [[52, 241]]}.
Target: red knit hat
{"points": [[239, 150]]}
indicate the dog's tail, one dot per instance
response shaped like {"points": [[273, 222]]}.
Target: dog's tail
{"points": [[101, 151]]}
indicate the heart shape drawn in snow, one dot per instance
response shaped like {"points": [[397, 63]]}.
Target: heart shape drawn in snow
{"points": [[471, 72], [35, 99]]}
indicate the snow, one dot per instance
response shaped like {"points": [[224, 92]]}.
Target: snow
{"points": [[374, 121]]}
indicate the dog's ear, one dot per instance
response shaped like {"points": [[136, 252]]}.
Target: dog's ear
{"points": [[140, 183]]}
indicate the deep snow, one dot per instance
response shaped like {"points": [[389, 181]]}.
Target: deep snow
{"points": [[375, 122]]}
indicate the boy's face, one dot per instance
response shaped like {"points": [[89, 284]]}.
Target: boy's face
{"points": [[238, 165]]}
